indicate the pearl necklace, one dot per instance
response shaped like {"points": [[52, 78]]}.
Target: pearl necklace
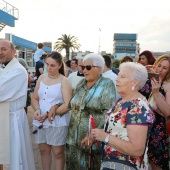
{"points": [[53, 77]]}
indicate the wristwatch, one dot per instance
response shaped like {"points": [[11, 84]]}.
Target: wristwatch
{"points": [[107, 139]]}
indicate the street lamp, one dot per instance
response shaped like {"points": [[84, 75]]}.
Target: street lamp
{"points": [[99, 41]]}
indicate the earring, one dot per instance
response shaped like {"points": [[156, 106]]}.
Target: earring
{"points": [[133, 88]]}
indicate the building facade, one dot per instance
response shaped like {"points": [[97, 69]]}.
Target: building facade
{"points": [[125, 44], [158, 54]]}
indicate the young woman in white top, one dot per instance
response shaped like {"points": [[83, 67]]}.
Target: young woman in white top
{"points": [[50, 126]]}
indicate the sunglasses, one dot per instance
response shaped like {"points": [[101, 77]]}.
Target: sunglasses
{"points": [[88, 67], [35, 131]]}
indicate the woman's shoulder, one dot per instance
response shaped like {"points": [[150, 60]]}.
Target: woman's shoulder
{"points": [[42, 77], [63, 78], [105, 80], [140, 102], [166, 85], [64, 81]]}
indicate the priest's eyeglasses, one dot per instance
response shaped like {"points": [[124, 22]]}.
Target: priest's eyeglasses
{"points": [[36, 130]]}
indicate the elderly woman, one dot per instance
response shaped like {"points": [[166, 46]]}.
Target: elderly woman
{"points": [[160, 102], [126, 128], [94, 95]]}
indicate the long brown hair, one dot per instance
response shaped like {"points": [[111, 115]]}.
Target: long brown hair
{"points": [[59, 59], [149, 55]]}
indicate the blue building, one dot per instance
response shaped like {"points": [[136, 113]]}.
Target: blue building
{"points": [[25, 48], [125, 44]]}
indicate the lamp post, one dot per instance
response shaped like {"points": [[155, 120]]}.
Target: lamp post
{"points": [[99, 42]]}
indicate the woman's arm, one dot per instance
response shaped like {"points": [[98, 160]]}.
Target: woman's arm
{"points": [[35, 100], [67, 94], [61, 108], [163, 105], [134, 147]]}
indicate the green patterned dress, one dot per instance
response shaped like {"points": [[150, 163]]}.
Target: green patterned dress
{"points": [[95, 101]]}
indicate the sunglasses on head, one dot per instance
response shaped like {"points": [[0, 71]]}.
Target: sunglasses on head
{"points": [[88, 67]]}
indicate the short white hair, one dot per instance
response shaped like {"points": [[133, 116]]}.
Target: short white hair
{"points": [[96, 59], [137, 71]]}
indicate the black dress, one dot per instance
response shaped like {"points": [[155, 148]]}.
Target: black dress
{"points": [[158, 140]]}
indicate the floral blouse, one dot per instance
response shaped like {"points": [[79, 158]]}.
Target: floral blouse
{"points": [[135, 112]]}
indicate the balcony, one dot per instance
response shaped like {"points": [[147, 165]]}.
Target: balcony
{"points": [[8, 14]]}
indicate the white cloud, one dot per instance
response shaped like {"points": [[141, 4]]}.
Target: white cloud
{"points": [[42, 20]]}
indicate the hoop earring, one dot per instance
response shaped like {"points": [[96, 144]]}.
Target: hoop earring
{"points": [[133, 88]]}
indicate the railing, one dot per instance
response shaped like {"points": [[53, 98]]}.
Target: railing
{"points": [[10, 9], [1, 26]]}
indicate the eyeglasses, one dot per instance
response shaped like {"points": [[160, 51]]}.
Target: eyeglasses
{"points": [[40, 127], [88, 67]]}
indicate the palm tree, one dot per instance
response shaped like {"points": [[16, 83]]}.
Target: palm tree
{"points": [[66, 42]]}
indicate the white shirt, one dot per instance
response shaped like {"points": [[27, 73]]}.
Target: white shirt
{"points": [[109, 74], [38, 54], [74, 79], [47, 99], [1, 68]]}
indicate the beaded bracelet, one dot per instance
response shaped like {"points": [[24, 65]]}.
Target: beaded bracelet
{"points": [[59, 104], [37, 109]]}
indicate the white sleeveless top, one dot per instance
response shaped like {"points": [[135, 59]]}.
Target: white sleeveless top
{"points": [[48, 97]]}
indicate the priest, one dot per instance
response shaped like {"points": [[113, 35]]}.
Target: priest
{"points": [[15, 144]]}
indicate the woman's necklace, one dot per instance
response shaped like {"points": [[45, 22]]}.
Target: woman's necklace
{"points": [[53, 77]]}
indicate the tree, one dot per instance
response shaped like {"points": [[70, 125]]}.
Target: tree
{"points": [[116, 64], [66, 42]]}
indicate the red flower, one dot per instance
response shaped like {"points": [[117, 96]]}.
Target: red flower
{"points": [[123, 112], [154, 160], [158, 126], [165, 156], [119, 154], [123, 119], [108, 149]]}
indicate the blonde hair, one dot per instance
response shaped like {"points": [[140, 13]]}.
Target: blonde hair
{"points": [[159, 60]]}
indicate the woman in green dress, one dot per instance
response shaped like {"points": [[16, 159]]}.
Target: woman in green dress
{"points": [[94, 95]]}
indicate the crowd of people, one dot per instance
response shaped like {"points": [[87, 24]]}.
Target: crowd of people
{"points": [[130, 112]]}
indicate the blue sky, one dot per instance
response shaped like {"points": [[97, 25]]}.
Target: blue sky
{"points": [[42, 20]]}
